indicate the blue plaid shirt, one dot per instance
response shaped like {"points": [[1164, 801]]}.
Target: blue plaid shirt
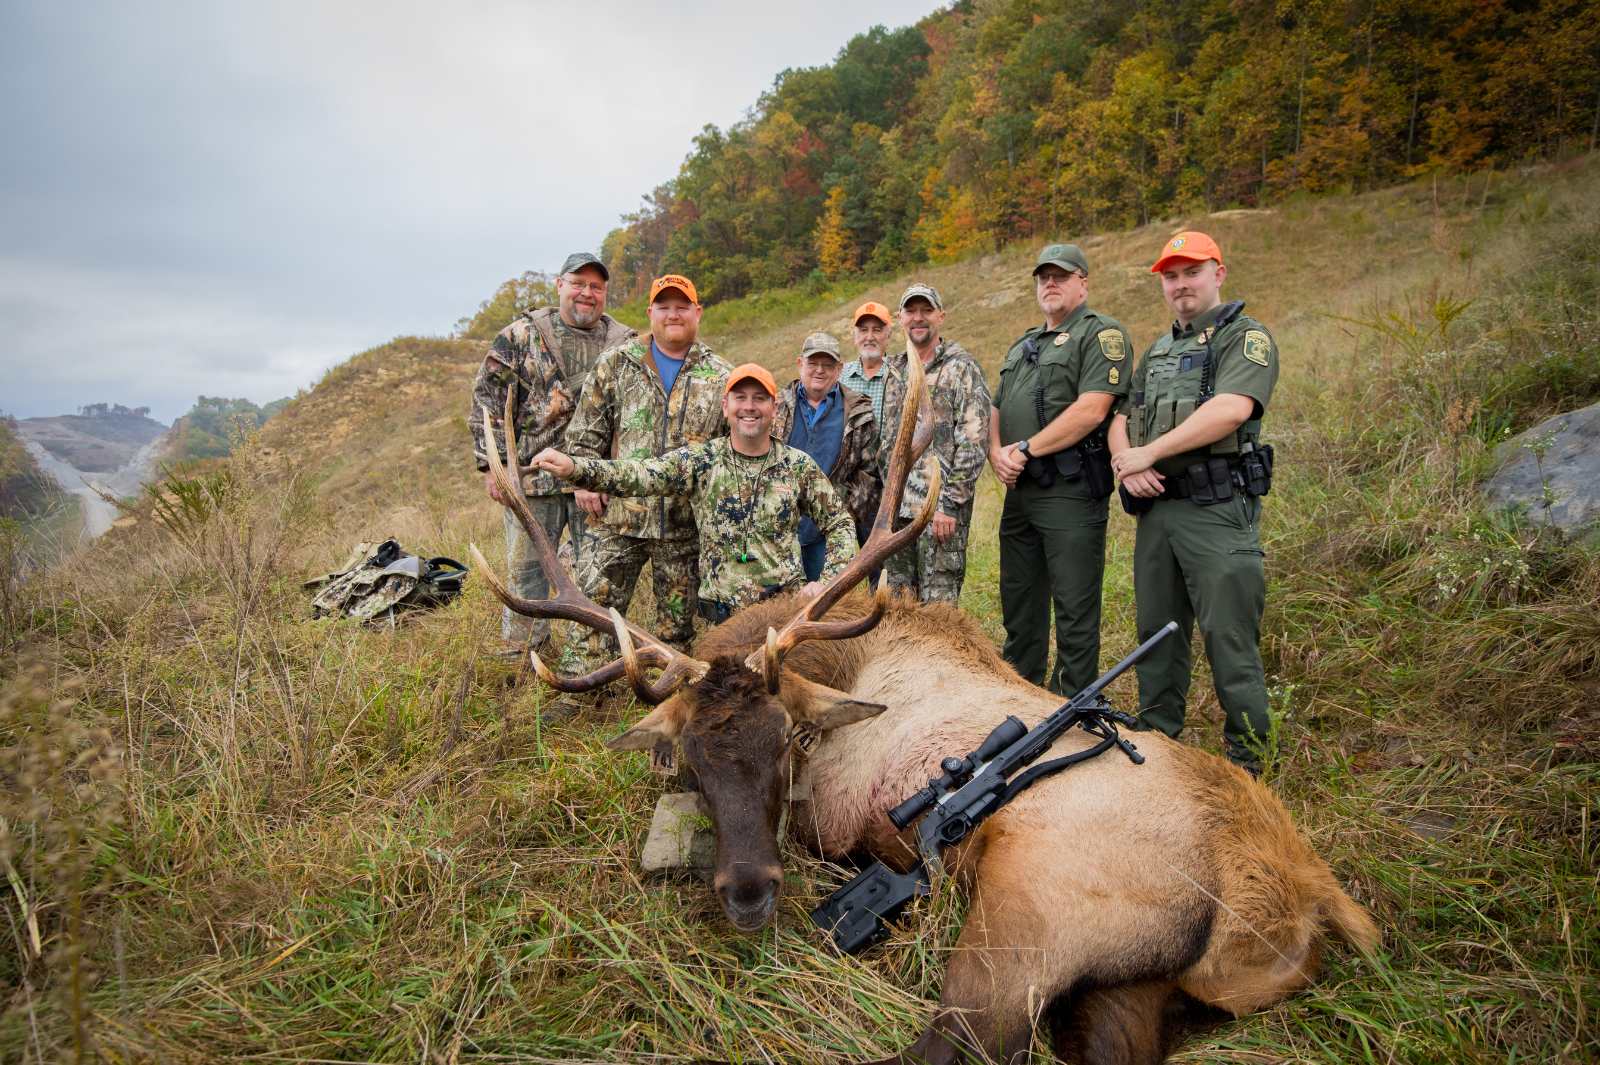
{"points": [[871, 387]]}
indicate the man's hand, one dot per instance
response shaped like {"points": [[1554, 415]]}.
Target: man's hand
{"points": [[553, 461], [811, 590], [944, 527], [493, 488], [1145, 485], [1008, 464], [591, 503], [1132, 460]]}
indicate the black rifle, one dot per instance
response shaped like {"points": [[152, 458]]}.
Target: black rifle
{"points": [[967, 791]]}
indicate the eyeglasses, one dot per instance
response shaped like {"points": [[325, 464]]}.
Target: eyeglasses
{"points": [[595, 287]]}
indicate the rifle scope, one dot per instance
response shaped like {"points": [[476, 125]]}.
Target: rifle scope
{"points": [[957, 770]]}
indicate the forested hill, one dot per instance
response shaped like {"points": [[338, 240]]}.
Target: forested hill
{"points": [[995, 120]]}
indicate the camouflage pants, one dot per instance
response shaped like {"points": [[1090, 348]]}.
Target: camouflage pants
{"points": [[608, 573], [527, 578], [932, 571]]}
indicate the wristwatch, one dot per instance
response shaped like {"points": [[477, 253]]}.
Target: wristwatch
{"points": [[1022, 446]]}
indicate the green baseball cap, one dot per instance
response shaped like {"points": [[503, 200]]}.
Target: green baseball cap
{"points": [[1069, 257], [579, 259], [927, 292]]}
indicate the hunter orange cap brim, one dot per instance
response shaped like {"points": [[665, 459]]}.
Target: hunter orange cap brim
{"points": [[1189, 245], [876, 310], [677, 281], [752, 372]]}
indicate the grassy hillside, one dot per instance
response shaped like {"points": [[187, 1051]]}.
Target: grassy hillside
{"points": [[232, 831]]}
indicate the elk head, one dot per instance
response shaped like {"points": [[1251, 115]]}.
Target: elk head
{"points": [[737, 723]]}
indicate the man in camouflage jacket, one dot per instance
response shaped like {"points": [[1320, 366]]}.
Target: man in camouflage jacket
{"points": [[545, 357], [934, 566], [842, 429], [647, 396], [748, 493]]}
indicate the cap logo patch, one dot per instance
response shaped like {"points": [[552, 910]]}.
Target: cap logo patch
{"points": [[1113, 347], [1257, 347], [1177, 242]]}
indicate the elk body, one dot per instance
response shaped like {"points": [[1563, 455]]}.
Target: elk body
{"points": [[1101, 898]]}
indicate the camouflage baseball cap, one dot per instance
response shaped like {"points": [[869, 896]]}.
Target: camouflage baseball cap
{"points": [[820, 344], [579, 259], [927, 292], [1069, 257]]}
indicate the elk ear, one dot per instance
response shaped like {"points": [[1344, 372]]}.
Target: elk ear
{"points": [[660, 725], [821, 707]]}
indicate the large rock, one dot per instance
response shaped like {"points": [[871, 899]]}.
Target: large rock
{"points": [[1556, 462], [681, 836]]}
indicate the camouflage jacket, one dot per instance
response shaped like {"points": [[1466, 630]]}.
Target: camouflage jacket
{"points": [[855, 472], [748, 511], [625, 413], [548, 362], [961, 426]]}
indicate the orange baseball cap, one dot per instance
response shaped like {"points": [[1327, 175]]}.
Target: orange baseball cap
{"points": [[751, 371], [1191, 245], [876, 310], [677, 281]]}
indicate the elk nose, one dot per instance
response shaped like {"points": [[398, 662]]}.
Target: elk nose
{"points": [[750, 904]]}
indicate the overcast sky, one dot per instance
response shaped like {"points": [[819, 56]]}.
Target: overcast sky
{"points": [[229, 199]]}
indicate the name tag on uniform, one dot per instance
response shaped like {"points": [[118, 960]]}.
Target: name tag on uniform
{"points": [[1186, 363]]}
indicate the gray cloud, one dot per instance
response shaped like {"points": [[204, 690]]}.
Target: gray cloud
{"points": [[226, 199]]}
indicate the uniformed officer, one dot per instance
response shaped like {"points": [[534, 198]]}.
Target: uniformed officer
{"points": [[1047, 443], [1186, 447]]}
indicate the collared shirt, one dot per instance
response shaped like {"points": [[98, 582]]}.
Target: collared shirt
{"points": [[819, 432], [856, 378]]}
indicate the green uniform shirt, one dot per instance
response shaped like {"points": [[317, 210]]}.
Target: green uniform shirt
{"points": [[1086, 353], [747, 510], [1168, 382]]}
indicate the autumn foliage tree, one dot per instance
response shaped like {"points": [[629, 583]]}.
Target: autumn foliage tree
{"points": [[995, 120]]}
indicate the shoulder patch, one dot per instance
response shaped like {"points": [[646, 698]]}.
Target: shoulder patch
{"points": [[1257, 347], [1112, 346]]}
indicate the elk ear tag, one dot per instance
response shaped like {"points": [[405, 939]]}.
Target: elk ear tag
{"points": [[660, 725], [819, 708]]}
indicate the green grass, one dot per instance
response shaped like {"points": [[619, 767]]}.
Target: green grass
{"points": [[241, 833]]}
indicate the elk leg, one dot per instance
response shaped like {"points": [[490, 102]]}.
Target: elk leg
{"points": [[1129, 1024]]}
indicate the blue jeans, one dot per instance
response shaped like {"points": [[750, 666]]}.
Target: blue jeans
{"points": [[812, 558]]}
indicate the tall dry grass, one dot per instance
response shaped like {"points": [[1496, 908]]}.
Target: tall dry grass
{"points": [[231, 831]]}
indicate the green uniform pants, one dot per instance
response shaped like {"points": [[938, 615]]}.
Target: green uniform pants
{"points": [[1193, 563], [1052, 551]]}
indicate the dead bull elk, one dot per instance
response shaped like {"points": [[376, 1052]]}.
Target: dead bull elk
{"points": [[1100, 897]]}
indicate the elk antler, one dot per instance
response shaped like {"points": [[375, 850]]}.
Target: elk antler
{"points": [[569, 604], [912, 437]]}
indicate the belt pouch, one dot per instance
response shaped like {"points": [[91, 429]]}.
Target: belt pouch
{"points": [[1132, 504], [1197, 475], [1220, 474]]}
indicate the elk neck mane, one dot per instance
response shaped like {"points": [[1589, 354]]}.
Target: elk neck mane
{"points": [[932, 629]]}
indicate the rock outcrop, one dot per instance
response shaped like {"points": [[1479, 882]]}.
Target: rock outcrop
{"points": [[1552, 473]]}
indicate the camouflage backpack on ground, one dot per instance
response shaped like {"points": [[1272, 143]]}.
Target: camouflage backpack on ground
{"points": [[382, 579]]}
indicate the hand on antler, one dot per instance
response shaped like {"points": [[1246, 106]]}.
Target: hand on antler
{"points": [[553, 461], [493, 488]]}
